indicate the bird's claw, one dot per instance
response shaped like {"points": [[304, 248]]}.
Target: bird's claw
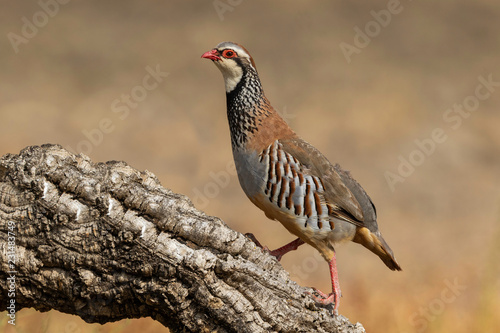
{"points": [[323, 295], [326, 299], [275, 253], [254, 239]]}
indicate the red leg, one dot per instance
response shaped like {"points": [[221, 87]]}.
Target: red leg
{"points": [[334, 296], [280, 252]]}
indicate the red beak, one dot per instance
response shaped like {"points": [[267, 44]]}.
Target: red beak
{"points": [[212, 55]]}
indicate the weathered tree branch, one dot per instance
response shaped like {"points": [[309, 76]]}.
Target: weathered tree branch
{"points": [[106, 242]]}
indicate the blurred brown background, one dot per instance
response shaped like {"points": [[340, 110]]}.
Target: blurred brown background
{"points": [[364, 111]]}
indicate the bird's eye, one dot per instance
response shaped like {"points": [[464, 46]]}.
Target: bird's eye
{"points": [[228, 54]]}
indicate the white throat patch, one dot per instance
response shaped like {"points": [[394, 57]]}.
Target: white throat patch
{"points": [[231, 72]]}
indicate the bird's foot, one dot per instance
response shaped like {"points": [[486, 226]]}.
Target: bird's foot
{"points": [[254, 239], [327, 299], [264, 248], [324, 298], [278, 253]]}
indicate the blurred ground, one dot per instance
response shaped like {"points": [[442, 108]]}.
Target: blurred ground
{"points": [[368, 111]]}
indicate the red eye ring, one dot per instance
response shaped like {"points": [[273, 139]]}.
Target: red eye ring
{"points": [[229, 54]]}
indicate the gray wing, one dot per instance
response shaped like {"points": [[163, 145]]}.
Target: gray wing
{"points": [[338, 193], [366, 203]]}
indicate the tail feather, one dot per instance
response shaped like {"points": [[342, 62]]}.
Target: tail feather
{"points": [[374, 242]]}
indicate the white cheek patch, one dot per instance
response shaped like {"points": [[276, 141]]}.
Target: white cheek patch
{"points": [[231, 72]]}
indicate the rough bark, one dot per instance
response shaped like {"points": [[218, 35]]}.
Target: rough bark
{"points": [[105, 242]]}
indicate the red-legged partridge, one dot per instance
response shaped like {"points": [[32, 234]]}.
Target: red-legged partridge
{"points": [[290, 180]]}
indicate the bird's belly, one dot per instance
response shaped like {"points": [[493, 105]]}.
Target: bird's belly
{"points": [[320, 235]]}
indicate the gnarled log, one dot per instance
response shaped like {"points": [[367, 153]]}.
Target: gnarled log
{"points": [[106, 242]]}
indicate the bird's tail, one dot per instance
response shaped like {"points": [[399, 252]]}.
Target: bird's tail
{"points": [[374, 242]]}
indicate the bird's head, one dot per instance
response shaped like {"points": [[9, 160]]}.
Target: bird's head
{"points": [[233, 61]]}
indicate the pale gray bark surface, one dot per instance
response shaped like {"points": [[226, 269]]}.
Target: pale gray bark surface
{"points": [[105, 242]]}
